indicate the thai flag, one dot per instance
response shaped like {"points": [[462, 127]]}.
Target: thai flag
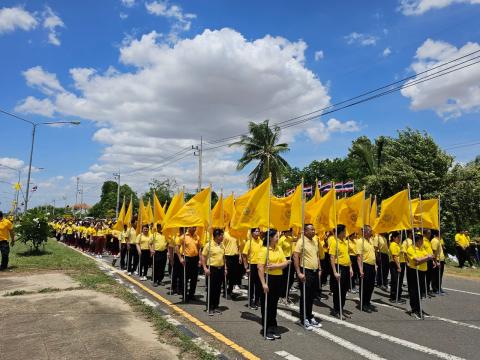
{"points": [[339, 187], [34, 188], [289, 192], [349, 186], [308, 190], [326, 187]]}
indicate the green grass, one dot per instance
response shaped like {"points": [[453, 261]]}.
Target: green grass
{"points": [[86, 272], [16, 293], [452, 268]]}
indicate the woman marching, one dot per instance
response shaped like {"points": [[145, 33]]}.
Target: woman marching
{"points": [[143, 242], [273, 289], [397, 268], [158, 251], [250, 261], [215, 270]]}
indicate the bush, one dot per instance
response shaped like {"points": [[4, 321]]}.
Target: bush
{"points": [[33, 229]]}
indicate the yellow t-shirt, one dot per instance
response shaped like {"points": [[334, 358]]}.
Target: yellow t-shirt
{"points": [[368, 251], [5, 227], [395, 250], [381, 244], [216, 254], [416, 252], [275, 256], [461, 240], [230, 244], [132, 235], [352, 247], [321, 248], [191, 244], [143, 241], [311, 253], [427, 245], [158, 241], [287, 243], [437, 248], [251, 249], [343, 257]]}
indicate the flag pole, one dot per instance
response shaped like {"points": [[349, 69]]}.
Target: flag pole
{"points": [[141, 227], [361, 255], [336, 252], [154, 232], [414, 245], [184, 261], [265, 311], [398, 275], [421, 226], [303, 256], [174, 254], [209, 277], [439, 248], [224, 257], [128, 235]]}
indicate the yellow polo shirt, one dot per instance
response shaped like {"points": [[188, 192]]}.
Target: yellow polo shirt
{"points": [[191, 244], [275, 256], [287, 243], [143, 241], [158, 241], [230, 244], [368, 251], [251, 249], [311, 253], [132, 235], [416, 252], [427, 245], [343, 257], [461, 240], [5, 227], [437, 248], [217, 252], [395, 250], [352, 247]]}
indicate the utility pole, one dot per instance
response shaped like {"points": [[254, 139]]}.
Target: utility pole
{"points": [[199, 153], [53, 208], [117, 176], [82, 210], [76, 193]]}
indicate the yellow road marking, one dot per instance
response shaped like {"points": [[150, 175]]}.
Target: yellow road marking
{"points": [[219, 336]]}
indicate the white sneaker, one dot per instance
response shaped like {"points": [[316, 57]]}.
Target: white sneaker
{"points": [[129, 273], [307, 325], [236, 287], [143, 278], [315, 323], [135, 272], [100, 256]]}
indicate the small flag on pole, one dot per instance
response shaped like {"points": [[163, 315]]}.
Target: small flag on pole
{"points": [[308, 190], [339, 187], [348, 186], [34, 188], [326, 187]]}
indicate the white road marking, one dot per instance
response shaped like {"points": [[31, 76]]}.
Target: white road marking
{"points": [[336, 339], [392, 339], [462, 291], [149, 302], [287, 355]]}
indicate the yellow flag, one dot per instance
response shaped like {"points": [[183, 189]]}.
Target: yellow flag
{"points": [[119, 224], [373, 213], [323, 213], [228, 209], [351, 212], [127, 219], [195, 212], [309, 205], [149, 213], [296, 211], [141, 216], [158, 213], [254, 207], [426, 214], [366, 213], [394, 214], [317, 191], [218, 218], [165, 207], [280, 212], [175, 205], [17, 186]]}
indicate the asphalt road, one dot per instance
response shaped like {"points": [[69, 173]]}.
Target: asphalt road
{"points": [[452, 331]]}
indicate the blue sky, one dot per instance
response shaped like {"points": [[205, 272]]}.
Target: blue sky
{"points": [[148, 78]]}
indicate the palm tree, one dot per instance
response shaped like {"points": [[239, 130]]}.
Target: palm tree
{"points": [[261, 145], [368, 154]]}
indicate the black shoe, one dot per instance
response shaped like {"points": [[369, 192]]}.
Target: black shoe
{"points": [[270, 336], [373, 308], [416, 315], [155, 284], [367, 310], [114, 261]]}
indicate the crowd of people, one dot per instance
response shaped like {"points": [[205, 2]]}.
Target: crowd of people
{"points": [[271, 261]]}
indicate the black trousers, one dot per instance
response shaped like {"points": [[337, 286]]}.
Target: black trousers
{"points": [[326, 269], [436, 280], [216, 277], [123, 255], [132, 258], [274, 293], [159, 262], [396, 280], [382, 273], [461, 256], [286, 278], [255, 284], [356, 271], [5, 250], [144, 262], [429, 274], [234, 272], [413, 287], [311, 288], [177, 275], [368, 284], [344, 284], [191, 276]]}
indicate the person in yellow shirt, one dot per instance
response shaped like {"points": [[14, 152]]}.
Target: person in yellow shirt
{"points": [[352, 252], [213, 262], [342, 271], [431, 264], [381, 245], [272, 261], [233, 262], [471, 250], [416, 269], [6, 235], [122, 239], [461, 246], [307, 264], [438, 247], [158, 251], [250, 262], [366, 261], [325, 259], [396, 270], [143, 250], [287, 243], [131, 241], [188, 248]]}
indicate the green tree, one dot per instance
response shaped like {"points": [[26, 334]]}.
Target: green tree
{"points": [[108, 199], [163, 188], [262, 145]]}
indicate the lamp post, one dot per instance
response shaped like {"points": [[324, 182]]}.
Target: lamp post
{"points": [[17, 189]]}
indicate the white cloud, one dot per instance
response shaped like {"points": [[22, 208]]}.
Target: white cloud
{"points": [[123, 16], [44, 81], [16, 18], [32, 105], [210, 85], [419, 7], [361, 39], [181, 21], [320, 132], [451, 95], [51, 22], [386, 52], [128, 3], [318, 55]]}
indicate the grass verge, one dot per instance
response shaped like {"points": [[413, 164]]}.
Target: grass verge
{"points": [[87, 273], [453, 269]]}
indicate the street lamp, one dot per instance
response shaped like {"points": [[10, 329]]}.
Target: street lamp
{"points": [[34, 128], [17, 186]]}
